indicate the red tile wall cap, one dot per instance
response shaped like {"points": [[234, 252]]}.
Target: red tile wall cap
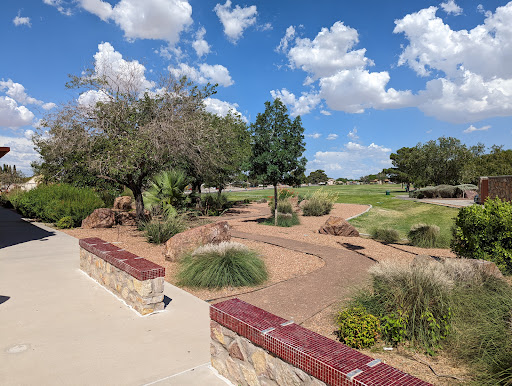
{"points": [[136, 266], [332, 362]]}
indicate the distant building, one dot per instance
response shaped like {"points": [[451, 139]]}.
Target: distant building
{"points": [[31, 184], [331, 181]]}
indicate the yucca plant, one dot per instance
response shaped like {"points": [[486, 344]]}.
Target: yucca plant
{"points": [[166, 192]]}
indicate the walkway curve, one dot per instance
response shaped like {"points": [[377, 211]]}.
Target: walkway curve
{"points": [[301, 297]]}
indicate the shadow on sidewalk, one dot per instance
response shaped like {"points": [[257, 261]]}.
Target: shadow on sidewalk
{"points": [[14, 230]]}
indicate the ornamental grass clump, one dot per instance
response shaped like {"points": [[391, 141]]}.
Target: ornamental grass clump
{"points": [[424, 235], [320, 203], [227, 264], [413, 301], [385, 235], [286, 216], [160, 229]]}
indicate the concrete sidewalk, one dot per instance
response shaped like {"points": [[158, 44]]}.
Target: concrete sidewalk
{"points": [[59, 327]]}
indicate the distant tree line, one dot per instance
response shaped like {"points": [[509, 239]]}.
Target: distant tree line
{"points": [[447, 161]]}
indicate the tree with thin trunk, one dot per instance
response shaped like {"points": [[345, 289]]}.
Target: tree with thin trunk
{"points": [[131, 132], [277, 147]]}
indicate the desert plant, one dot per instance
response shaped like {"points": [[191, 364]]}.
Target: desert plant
{"points": [[357, 328], [319, 204], [414, 296], [166, 191], [283, 206], [485, 232], [214, 204], [386, 235], [227, 264], [424, 235], [159, 230], [65, 222]]}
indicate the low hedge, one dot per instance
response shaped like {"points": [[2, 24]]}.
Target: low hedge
{"points": [[51, 203]]}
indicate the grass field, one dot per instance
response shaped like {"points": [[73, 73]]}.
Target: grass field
{"points": [[387, 211]]}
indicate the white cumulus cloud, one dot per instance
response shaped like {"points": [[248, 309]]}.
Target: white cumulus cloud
{"points": [[59, 4], [235, 20], [353, 134], [314, 135], [472, 128], [12, 115], [222, 108], [352, 160], [298, 106], [19, 20], [204, 74], [200, 45], [148, 19], [332, 137], [451, 8]]}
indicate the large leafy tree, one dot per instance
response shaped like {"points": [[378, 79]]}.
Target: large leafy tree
{"points": [[317, 177], [233, 147], [132, 132], [277, 146]]}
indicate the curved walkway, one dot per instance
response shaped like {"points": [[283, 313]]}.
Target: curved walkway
{"points": [[302, 297]]}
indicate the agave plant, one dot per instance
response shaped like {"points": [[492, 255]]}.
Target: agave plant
{"points": [[166, 192]]}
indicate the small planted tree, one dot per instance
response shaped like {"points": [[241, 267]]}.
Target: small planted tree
{"points": [[277, 147]]}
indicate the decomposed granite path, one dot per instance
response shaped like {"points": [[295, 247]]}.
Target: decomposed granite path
{"points": [[302, 297]]}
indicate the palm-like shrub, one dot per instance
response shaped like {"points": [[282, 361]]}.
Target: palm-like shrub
{"points": [[166, 191], [227, 264]]}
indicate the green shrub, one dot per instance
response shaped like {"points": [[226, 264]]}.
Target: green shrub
{"points": [[283, 206], [485, 232], [227, 264], [65, 223], [214, 204], [159, 230], [386, 235], [424, 236], [319, 204], [166, 191], [50, 203], [414, 303], [357, 328]]}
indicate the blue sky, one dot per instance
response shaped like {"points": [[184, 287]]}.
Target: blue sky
{"points": [[367, 77]]}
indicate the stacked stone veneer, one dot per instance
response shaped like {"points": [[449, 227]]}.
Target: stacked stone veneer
{"points": [[139, 282], [253, 347], [499, 186]]}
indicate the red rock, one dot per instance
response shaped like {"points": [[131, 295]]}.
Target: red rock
{"points": [[189, 240], [123, 203], [100, 218], [338, 226]]}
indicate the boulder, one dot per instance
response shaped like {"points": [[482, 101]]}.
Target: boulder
{"points": [[189, 240], [123, 203], [100, 218], [338, 226], [126, 218]]}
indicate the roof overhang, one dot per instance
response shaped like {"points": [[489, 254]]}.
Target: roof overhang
{"points": [[4, 151]]}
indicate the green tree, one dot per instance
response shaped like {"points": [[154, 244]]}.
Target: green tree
{"points": [[233, 147], [131, 133], [277, 146], [317, 177]]}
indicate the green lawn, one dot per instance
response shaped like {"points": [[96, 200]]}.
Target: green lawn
{"points": [[387, 211]]}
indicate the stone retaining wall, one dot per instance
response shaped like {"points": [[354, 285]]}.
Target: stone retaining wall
{"points": [[139, 282], [499, 186], [253, 347]]}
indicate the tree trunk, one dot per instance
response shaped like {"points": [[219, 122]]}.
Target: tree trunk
{"points": [[219, 191], [139, 203], [275, 204]]}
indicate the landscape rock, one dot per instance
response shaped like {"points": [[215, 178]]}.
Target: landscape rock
{"points": [[338, 226], [100, 218], [126, 218], [189, 240], [123, 203]]}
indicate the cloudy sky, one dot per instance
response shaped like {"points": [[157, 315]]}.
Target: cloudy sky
{"points": [[367, 77]]}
